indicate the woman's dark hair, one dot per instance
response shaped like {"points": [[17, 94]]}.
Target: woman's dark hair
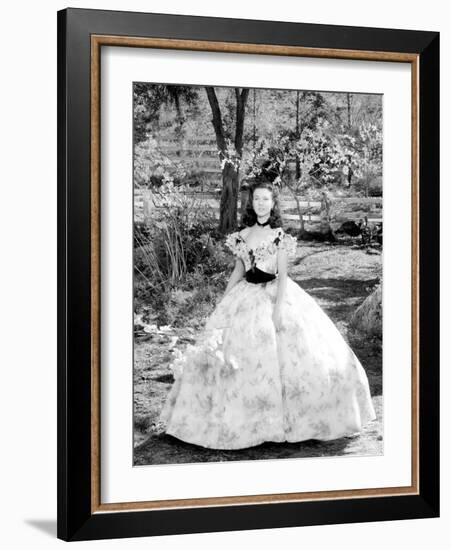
{"points": [[250, 217]]}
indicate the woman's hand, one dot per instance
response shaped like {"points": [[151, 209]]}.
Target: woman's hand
{"points": [[277, 318]]}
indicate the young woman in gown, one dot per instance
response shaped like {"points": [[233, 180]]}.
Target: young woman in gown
{"points": [[270, 364]]}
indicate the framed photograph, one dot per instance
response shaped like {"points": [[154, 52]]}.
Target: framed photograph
{"points": [[248, 274]]}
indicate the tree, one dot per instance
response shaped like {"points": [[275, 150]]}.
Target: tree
{"points": [[370, 165], [148, 99], [321, 153], [229, 155]]}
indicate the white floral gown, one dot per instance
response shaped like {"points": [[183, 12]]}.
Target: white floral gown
{"points": [[243, 383]]}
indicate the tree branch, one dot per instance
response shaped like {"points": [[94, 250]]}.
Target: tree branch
{"points": [[217, 118], [241, 99]]}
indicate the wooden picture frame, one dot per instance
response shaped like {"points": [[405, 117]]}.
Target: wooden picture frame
{"points": [[81, 35]]}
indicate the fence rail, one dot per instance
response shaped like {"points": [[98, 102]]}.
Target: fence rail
{"points": [[148, 204]]}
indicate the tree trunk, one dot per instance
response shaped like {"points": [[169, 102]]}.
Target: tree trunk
{"points": [[350, 171], [326, 228], [348, 105], [301, 215], [229, 196], [229, 199], [299, 209], [298, 135], [241, 99], [244, 196], [349, 175], [254, 128]]}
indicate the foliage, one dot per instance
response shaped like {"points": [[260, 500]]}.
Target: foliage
{"points": [[179, 260], [315, 143], [333, 138], [149, 99], [152, 168], [324, 156], [230, 156], [370, 158]]}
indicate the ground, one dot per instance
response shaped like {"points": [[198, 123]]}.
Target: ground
{"points": [[339, 278]]}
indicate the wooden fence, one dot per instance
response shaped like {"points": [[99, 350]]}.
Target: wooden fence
{"points": [[147, 205], [199, 155]]}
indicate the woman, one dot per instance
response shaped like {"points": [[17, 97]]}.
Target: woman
{"points": [[270, 364]]}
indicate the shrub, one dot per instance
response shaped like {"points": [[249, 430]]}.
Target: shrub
{"points": [[180, 265]]}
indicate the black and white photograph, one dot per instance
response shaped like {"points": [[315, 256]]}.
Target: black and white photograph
{"points": [[257, 274], [208, 341]]}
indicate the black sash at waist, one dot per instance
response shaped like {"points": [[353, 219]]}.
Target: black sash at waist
{"points": [[256, 276]]}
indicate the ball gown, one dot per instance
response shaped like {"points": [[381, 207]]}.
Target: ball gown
{"points": [[243, 383]]}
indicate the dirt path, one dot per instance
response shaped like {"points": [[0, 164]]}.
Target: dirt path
{"points": [[339, 278]]}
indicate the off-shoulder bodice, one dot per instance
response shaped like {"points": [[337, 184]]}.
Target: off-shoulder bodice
{"points": [[264, 255]]}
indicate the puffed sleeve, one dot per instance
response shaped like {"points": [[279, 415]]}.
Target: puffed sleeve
{"points": [[288, 243], [234, 242]]}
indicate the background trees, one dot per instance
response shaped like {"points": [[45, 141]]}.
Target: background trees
{"points": [[211, 137]]}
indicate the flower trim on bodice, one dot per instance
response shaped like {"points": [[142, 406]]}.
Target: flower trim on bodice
{"points": [[265, 252]]}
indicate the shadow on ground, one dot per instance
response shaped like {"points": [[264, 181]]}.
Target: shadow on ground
{"points": [[165, 449], [47, 526]]}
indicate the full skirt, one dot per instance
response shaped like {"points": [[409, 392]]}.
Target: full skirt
{"points": [[243, 383]]}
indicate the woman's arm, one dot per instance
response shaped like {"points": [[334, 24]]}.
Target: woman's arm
{"points": [[237, 275], [282, 261]]}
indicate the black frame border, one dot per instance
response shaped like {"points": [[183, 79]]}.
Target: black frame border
{"points": [[75, 520]]}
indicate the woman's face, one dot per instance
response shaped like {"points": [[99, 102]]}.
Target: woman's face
{"points": [[262, 202]]}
